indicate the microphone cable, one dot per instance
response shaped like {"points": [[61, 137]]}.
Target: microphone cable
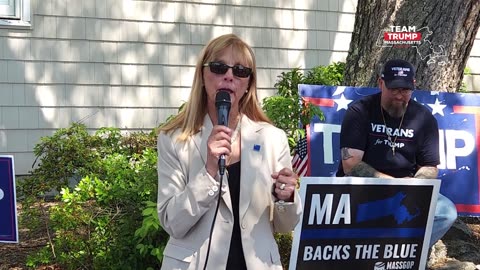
{"points": [[213, 222], [222, 103]]}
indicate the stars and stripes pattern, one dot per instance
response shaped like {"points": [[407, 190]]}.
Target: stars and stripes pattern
{"points": [[300, 159]]}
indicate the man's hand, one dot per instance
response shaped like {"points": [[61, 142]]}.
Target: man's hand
{"points": [[427, 172]]}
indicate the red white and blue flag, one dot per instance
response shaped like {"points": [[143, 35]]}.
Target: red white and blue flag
{"points": [[300, 159]]}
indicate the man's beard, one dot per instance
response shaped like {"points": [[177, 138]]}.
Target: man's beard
{"points": [[396, 110]]}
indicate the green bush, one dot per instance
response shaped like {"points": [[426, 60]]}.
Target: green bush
{"points": [[69, 153], [108, 219], [291, 113], [326, 75], [288, 110]]}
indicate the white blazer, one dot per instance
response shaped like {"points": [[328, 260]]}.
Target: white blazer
{"points": [[187, 196]]}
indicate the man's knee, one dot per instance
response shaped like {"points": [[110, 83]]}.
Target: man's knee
{"points": [[446, 210]]}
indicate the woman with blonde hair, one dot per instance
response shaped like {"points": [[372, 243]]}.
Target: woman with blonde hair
{"points": [[216, 220]]}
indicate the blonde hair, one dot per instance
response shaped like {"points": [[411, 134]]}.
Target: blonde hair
{"points": [[190, 118]]}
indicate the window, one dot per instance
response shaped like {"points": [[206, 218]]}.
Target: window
{"points": [[15, 13], [7, 8]]}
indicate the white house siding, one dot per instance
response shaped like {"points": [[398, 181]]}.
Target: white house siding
{"points": [[130, 64]]}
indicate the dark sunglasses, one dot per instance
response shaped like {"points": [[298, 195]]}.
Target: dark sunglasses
{"points": [[402, 91], [221, 68]]}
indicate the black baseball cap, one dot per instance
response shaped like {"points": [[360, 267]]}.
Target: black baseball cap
{"points": [[398, 73]]}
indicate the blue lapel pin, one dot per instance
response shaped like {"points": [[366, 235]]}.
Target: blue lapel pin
{"points": [[256, 147]]}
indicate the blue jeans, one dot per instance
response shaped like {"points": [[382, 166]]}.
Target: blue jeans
{"points": [[445, 216]]}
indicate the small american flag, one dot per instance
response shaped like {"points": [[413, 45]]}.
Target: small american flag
{"points": [[300, 159]]}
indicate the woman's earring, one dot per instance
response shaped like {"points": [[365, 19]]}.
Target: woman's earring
{"points": [[246, 91]]}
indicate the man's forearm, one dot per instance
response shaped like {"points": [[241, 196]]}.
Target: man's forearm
{"points": [[427, 173], [362, 169]]}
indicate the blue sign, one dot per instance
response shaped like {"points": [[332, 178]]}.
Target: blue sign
{"points": [[364, 223], [458, 117], [8, 202]]}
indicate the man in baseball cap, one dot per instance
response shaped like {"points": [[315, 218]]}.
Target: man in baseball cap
{"points": [[390, 135]]}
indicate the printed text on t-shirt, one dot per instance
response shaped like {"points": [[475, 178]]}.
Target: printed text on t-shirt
{"points": [[400, 132]]}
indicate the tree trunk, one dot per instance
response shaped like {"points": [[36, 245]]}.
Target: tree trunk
{"points": [[447, 28]]}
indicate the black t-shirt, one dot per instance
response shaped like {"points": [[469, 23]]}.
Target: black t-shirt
{"points": [[417, 142]]}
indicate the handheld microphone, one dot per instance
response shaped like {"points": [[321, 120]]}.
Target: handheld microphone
{"points": [[222, 103]]}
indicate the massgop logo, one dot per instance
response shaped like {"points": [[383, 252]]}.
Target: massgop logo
{"points": [[394, 265]]}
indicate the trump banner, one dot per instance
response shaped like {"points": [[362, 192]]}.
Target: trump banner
{"points": [[364, 223], [8, 202], [458, 117]]}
